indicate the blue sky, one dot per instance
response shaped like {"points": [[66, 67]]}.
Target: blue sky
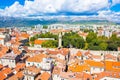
{"points": [[109, 9], [115, 8], [4, 3]]}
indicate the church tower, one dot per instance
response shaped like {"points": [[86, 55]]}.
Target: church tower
{"points": [[60, 40]]}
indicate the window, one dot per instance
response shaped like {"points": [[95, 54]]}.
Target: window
{"points": [[28, 63], [29, 78], [2, 61], [12, 60], [58, 55], [47, 62], [88, 79]]}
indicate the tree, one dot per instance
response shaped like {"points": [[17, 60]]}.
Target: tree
{"points": [[32, 44], [96, 42], [27, 44], [118, 42], [86, 46], [88, 30], [73, 40], [102, 38], [44, 35], [48, 35], [50, 44], [113, 37], [113, 42], [45, 26], [112, 47], [103, 46], [91, 36], [32, 38]]}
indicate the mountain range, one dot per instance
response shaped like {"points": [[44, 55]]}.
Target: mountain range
{"points": [[45, 20]]}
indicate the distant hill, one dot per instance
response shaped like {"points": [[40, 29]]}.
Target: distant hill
{"points": [[26, 22]]}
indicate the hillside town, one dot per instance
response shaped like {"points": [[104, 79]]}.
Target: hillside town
{"points": [[22, 58]]}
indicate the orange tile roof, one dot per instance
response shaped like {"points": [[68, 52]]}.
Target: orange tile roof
{"points": [[87, 76], [17, 38], [56, 31], [94, 63], [110, 56], [2, 76], [17, 76], [108, 65], [79, 68], [1, 66], [39, 41], [66, 75], [38, 77], [116, 64], [79, 53], [37, 58], [96, 56], [19, 66], [7, 71], [112, 66], [25, 35], [56, 70], [33, 69], [16, 51], [16, 44], [63, 51], [107, 74], [2, 29], [45, 76], [79, 75], [1, 38], [83, 76], [3, 50], [87, 52]]}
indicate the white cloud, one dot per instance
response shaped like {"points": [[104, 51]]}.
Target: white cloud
{"points": [[41, 7], [114, 2], [110, 15], [15, 10], [86, 5]]}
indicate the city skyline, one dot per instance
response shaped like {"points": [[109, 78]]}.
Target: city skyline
{"points": [[59, 39], [108, 9]]}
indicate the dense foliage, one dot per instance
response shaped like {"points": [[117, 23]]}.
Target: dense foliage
{"points": [[102, 42], [50, 44], [45, 26], [92, 42], [73, 40], [46, 35]]}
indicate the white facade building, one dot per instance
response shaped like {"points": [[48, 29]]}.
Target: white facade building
{"points": [[109, 78]]}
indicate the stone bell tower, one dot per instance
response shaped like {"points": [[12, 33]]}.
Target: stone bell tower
{"points": [[60, 40]]}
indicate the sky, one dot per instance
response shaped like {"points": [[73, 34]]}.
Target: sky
{"points": [[108, 9]]}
